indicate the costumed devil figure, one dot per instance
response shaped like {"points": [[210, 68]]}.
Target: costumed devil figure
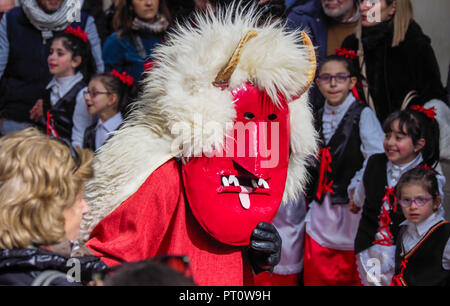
{"points": [[219, 138]]}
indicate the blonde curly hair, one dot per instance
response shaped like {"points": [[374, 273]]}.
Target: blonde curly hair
{"points": [[37, 182]]}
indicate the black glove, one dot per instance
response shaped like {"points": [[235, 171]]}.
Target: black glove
{"points": [[265, 247]]}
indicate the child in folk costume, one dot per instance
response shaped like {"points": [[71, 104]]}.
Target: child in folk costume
{"points": [[423, 247], [411, 139], [107, 97], [350, 133], [63, 108]]}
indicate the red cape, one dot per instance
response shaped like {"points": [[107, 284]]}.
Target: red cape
{"points": [[155, 220]]}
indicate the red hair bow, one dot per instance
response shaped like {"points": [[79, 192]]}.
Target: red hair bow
{"points": [[123, 77], [425, 166], [78, 32], [349, 54], [429, 112]]}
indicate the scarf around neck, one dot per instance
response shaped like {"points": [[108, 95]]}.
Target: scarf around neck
{"points": [[158, 26], [69, 12], [373, 36]]}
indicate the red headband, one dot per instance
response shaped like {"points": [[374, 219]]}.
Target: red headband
{"points": [[78, 32], [123, 77], [349, 54], [429, 112]]}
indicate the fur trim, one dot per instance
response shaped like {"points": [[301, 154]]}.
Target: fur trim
{"points": [[178, 93]]}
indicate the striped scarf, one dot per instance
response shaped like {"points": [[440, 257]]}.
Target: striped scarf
{"points": [[69, 12]]}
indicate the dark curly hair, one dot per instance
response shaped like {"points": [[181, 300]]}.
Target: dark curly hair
{"points": [[78, 47]]}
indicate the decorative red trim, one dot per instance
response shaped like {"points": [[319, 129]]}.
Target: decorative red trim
{"points": [[325, 161], [429, 112], [123, 77], [385, 219]]}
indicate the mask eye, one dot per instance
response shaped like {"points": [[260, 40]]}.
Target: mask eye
{"points": [[272, 117], [249, 115]]}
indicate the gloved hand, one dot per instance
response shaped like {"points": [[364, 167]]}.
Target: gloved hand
{"points": [[265, 248]]}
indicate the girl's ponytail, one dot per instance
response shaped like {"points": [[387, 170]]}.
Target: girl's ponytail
{"points": [[431, 133]]}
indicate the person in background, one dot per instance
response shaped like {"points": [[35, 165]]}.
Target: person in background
{"points": [[395, 58], [106, 97], [164, 270], [63, 109], [25, 35], [411, 139], [140, 26], [350, 134], [95, 9], [329, 22], [42, 202], [343, 17], [6, 5], [109, 15], [423, 247]]}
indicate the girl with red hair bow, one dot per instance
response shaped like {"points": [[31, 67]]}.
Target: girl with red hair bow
{"points": [[107, 97], [63, 110], [411, 139]]}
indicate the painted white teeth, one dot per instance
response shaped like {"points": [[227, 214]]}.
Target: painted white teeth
{"points": [[225, 181], [263, 183], [232, 180], [254, 184]]}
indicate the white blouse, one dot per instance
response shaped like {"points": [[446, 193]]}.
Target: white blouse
{"points": [[103, 129]]}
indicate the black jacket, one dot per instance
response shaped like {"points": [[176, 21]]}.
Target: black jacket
{"points": [[19, 267], [393, 72]]}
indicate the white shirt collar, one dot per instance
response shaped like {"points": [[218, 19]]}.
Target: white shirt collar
{"points": [[394, 171], [423, 227], [112, 123], [64, 84]]}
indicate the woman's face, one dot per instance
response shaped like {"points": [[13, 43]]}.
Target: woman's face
{"points": [[374, 12], [146, 10], [73, 215]]}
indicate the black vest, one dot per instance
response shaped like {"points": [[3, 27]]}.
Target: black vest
{"points": [[424, 266], [89, 137], [345, 152], [62, 111], [375, 181]]}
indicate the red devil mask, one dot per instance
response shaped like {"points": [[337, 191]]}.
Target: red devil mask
{"points": [[230, 193]]}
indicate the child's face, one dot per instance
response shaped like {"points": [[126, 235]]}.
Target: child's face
{"points": [[98, 98], [399, 147], [415, 213], [60, 60], [334, 82]]}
